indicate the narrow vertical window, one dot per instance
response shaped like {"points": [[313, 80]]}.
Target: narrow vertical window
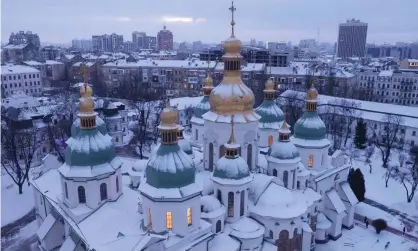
{"points": [[189, 216], [149, 219], [230, 204], [81, 194], [103, 191], [117, 184], [270, 140], [168, 221], [66, 190], [242, 202], [310, 161]]}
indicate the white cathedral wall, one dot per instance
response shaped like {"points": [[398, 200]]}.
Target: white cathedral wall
{"points": [[264, 136], [281, 168], [237, 190], [306, 241], [178, 211], [197, 134], [348, 220], [54, 237], [320, 157], [218, 134], [251, 244], [283, 224]]}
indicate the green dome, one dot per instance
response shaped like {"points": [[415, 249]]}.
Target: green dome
{"points": [[310, 127], [89, 147], [170, 167], [283, 150], [271, 115], [202, 108], [100, 125], [231, 168]]}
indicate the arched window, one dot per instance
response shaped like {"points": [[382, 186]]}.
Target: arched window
{"points": [[103, 191], [219, 195], [117, 184], [271, 234], [116, 139], [270, 140], [221, 151], [218, 226], [189, 216], [294, 179], [230, 204], [306, 183], [149, 219], [275, 172], [66, 190], [168, 220], [81, 194], [211, 156], [285, 178], [283, 242], [310, 161], [250, 156], [298, 184], [242, 206], [196, 136]]}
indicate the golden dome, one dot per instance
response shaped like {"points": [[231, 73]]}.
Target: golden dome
{"points": [[87, 105], [229, 99], [169, 116], [86, 91], [232, 45], [270, 85], [312, 93]]}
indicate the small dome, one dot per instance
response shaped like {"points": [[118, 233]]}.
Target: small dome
{"points": [[283, 150], [310, 127], [312, 93], [186, 147], [232, 45], [169, 116], [202, 108], [86, 105], [271, 116], [208, 81], [231, 168], [269, 85], [170, 167], [86, 91], [209, 203]]}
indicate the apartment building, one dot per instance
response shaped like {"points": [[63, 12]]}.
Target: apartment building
{"points": [[390, 86], [22, 78], [352, 37]]}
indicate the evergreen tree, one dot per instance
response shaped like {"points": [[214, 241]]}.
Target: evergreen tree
{"points": [[361, 134], [357, 183]]}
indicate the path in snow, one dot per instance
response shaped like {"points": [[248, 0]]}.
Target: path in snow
{"points": [[20, 235], [411, 222]]}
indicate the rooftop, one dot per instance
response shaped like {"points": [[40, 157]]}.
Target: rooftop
{"points": [[17, 69]]}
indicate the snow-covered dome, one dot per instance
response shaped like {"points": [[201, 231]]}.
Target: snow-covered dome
{"points": [[184, 143], [201, 108], [310, 127], [246, 228], [283, 151], [209, 204], [231, 168], [271, 116]]}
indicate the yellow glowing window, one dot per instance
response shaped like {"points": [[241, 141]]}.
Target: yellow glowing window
{"points": [[278, 86], [189, 216], [270, 140], [310, 161], [168, 220]]}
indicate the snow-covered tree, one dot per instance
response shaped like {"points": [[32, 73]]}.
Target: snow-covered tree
{"points": [[360, 137], [357, 183], [408, 177], [386, 137]]}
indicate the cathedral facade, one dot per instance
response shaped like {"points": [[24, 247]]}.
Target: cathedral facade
{"points": [[293, 197]]}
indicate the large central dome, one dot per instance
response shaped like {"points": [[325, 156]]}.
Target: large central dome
{"points": [[232, 96]]}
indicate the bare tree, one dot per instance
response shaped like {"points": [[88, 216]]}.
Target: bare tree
{"points": [[401, 158], [389, 173], [189, 111], [58, 131], [350, 113], [18, 152], [335, 123], [408, 177], [292, 106], [368, 153], [385, 136]]}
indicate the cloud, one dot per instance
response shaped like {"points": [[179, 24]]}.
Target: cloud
{"points": [[123, 19], [183, 19]]}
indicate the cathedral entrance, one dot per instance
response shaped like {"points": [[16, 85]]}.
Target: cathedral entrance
{"points": [[283, 243]]}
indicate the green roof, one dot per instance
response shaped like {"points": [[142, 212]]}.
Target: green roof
{"points": [[269, 112], [202, 108], [310, 127], [89, 148], [231, 168], [170, 167]]}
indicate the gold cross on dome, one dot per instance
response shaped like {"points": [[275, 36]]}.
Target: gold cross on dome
{"points": [[232, 9], [84, 72]]}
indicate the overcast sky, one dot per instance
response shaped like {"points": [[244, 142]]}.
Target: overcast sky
{"points": [[60, 21]]}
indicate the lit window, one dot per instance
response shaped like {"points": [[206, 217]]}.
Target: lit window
{"points": [[189, 216], [270, 140], [168, 221], [310, 161], [278, 86]]}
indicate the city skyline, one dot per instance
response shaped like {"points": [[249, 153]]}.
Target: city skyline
{"points": [[273, 20]]}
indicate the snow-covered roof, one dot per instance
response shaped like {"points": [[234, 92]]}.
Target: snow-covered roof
{"points": [[17, 69], [53, 62], [224, 242], [33, 63], [246, 228], [211, 207], [88, 64], [15, 46], [322, 222], [185, 102], [335, 201]]}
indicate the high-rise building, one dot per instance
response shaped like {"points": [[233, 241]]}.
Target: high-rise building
{"points": [[108, 43], [352, 37], [140, 40], [165, 39], [83, 44]]}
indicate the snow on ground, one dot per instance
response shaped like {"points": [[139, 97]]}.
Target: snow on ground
{"points": [[14, 205], [361, 239], [393, 196], [127, 138], [21, 240], [374, 213]]}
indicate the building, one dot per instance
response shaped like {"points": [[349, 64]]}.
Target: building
{"points": [[22, 46], [167, 205], [165, 39], [352, 37], [50, 53], [82, 44], [409, 64], [15, 78], [107, 43], [140, 40]]}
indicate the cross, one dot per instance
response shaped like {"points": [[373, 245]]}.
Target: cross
{"points": [[270, 65], [232, 9], [232, 137], [84, 73]]}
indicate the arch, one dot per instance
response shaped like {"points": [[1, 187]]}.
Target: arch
{"points": [[296, 241], [81, 194], [270, 140], [310, 160], [230, 204], [242, 202], [219, 195], [306, 183], [250, 156], [218, 226], [103, 191], [210, 156], [283, 241], [221, 151], [285, 178], [66, 190], [117, 184], [271, 234], [275, 172], [189, 216], [298, 184]]}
